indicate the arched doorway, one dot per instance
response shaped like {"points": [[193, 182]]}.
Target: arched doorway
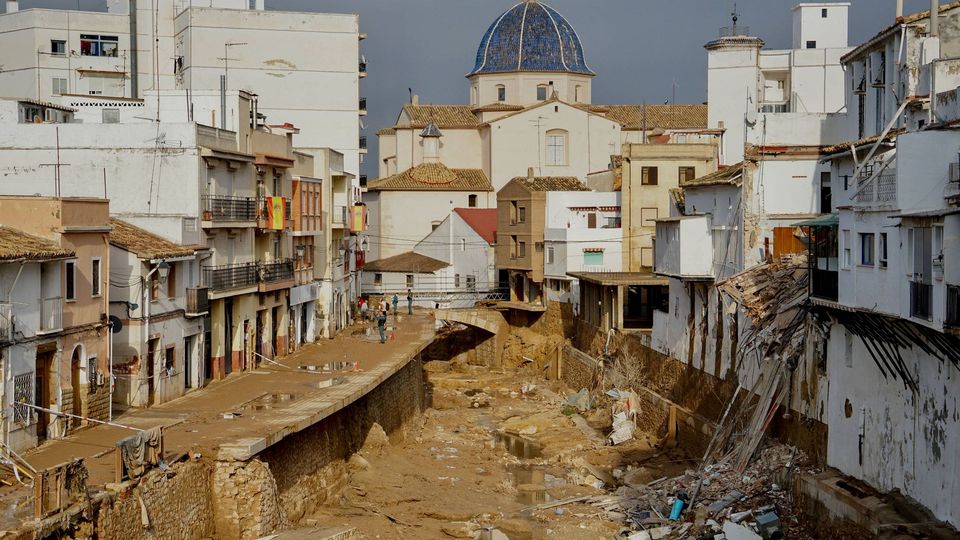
{"points": [[76, 361]]}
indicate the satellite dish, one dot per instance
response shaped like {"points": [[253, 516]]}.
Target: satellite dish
{"points": [[115, 324]]}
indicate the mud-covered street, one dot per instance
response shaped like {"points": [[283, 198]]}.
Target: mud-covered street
{"points": [[506, 455]]}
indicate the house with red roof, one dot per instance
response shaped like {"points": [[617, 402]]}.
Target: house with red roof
{"points": [[452, 266]]}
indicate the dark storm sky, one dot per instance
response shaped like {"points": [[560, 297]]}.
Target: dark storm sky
{"points": [[639, 49]]}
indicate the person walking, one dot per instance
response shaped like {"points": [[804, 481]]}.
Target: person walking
{"points": [[364, 310], [409, 302], [382, 326], [396, 300]]}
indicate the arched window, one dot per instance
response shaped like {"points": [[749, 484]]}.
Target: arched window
{"points": [[501, 93], [541, 92], [463, 244], [556, 145], [473, 96]]}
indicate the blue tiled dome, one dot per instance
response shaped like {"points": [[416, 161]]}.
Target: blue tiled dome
{"points": [[530, 36]]}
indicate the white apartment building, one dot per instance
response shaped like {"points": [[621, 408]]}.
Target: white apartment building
{"points": [[136, 46], [582, 233]]}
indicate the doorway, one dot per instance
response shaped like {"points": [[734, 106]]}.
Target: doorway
{"points": [[153, 350], [42, 393], [75, 363], [188, 362], [277, 317], [228, 336]]}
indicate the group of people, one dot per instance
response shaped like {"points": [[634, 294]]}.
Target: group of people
{"points": [[383, 311]]}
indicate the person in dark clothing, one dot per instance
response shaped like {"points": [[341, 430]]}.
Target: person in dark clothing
{"points": [[396, 300], [409, 302], [382, 326]]}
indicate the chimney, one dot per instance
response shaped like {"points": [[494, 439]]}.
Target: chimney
{"points": [[899, 10], [415, 100], [934, 18], [13, 6], [530, 173]]}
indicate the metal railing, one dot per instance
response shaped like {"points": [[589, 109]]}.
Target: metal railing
{"points": [[340, 215], [921, 295], [952, 315], [882, 189], [733, 31], [775, 107], [198, 300], [226, 208], [51, 314], [230, 276], [6, 321], [272, 272]]}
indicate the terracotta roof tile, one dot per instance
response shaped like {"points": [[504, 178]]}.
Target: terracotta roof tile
{"points": [[16, 244], [498, 106], [409, 262], [677, 116], [731, 175], [144, 244], [387, 131], [552, 183], [444, 116], [433, 177], [481, 220], [844, 146]]}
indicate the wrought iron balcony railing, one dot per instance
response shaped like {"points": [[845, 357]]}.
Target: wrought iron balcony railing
{"points": [[226, 208], [272, 272], [230, 276]]}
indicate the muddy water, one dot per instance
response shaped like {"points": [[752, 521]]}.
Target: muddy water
{"points": [[519, 445]]}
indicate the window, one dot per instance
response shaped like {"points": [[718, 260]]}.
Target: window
{"points": [[811, 44], [95, 277], [58, 47], [472, 201], [687, 174], [378, 279], [473, 96], [59, 86], [94, 86], [648, 176], [111, 116], [593, 258], [847, 250], [522, 214], [592, 220], [471, 282], [867, 246], [550, 254], [501, 93], [514, 211], [434, 225], [882, 250], [456, 281], [521, 249], [826, 193], [542, 92], [513, 247], [613, 222], [92, 375], [538, 247], [169, 363], [409, 281], [556, 147], [577, 94], [463, 244], [96, 45], [70, 280], [823, 13]]}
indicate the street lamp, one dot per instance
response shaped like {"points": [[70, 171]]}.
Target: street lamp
{"points": [[163, 270]]}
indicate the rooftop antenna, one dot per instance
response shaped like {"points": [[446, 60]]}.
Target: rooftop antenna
{"points": [[735, 15]]}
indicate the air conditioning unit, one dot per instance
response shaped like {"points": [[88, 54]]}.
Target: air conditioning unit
{"points": [[100, 378]]}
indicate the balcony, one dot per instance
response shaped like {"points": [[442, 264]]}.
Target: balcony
{"points": [[952, 315], [198, 301], [921, 295], [684, 248], [6, 322], [363, 106], [220, 209], [230, 276], [275, 275], [264, 221], [363, 144], [363, 180], [775, 107], [362, 69], [51, 315]]}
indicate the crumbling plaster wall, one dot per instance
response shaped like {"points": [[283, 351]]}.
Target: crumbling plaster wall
{"points": [[910, 441]]}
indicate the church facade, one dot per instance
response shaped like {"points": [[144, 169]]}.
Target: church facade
{"points": [[530, 107]]}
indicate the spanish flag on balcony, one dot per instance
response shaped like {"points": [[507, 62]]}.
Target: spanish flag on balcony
{"points": [[275, 209]]}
